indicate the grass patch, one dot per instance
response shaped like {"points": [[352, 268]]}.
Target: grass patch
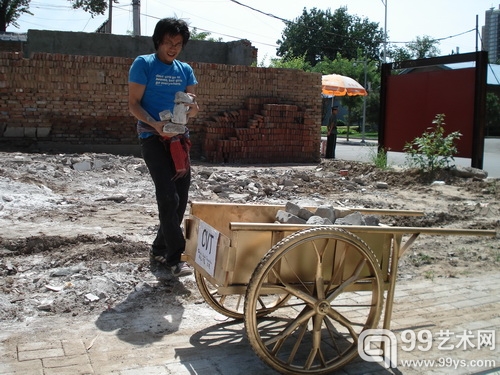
{"points": [[353, 132], [378, 158]]}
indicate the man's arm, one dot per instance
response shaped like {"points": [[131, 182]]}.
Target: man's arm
{"points": [[135, 93]]}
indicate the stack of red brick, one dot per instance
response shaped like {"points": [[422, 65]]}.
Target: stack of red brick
{"points": [[262, 132]]}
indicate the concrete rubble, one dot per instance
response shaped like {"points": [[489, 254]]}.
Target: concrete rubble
{"points": [[76, 228], [323, 215]]}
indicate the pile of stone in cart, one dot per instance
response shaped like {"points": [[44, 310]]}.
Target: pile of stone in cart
{"points": [[324, 215]]}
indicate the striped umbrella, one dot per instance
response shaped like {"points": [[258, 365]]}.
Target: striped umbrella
{"points": [[338, 85]]}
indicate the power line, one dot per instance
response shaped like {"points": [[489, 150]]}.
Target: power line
{"points": [[214, 32], [260, 11], [330, 33], [39, 5], [443, 38], [128, 8]]}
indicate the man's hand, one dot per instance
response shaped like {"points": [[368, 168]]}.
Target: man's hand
{"points": [[193, 106], [158, 125]]}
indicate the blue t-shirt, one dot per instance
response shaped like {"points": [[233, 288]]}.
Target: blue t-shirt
{"points": [[162, 81]]}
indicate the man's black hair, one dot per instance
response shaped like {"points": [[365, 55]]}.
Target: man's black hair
{"points": [[170, 26]]}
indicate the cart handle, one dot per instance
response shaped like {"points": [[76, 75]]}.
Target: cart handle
{"points": [[364, 229]]}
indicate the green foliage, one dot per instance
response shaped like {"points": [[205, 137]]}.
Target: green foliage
{"points": [[342, 130], [420, 48], [319, 34], [433, 150], [351, 67], [298, 63], [429, 274], [202, 35], [354, 132], [378, 157], [94, 7], [421, 259], [399, 53], [262, 63], [11, 10], [424, 47], [339, 65], [492, 114]]}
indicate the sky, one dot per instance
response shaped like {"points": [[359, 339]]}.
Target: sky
{"points": [[451, 21]]}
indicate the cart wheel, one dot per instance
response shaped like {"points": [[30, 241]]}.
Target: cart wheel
{"points": [[336, 290], [232, 305]]}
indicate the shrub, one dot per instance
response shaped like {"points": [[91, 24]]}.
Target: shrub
{"points": [[433, 151]]}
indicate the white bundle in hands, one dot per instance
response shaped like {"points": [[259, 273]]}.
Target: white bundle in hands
{"points": [[166, 115], [179, 117], [181, 110]]}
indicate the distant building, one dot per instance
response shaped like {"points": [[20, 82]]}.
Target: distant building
{"points": [[491, 34]]}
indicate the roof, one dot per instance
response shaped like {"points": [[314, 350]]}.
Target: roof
{"points": [[14, 37]]}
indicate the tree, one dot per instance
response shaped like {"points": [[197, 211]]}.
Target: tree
{"points": [[424, 47], [420, 48], [492, 114], [10, 11], [298, 63], [94, 7], [320, 34], [202, 35], [399, 53]]}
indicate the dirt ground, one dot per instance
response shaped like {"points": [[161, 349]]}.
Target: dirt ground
{"points": [[76, 228]]}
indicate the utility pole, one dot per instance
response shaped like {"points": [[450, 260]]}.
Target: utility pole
{"points": [[136, 17], [384, 2], [477, 32], [363, 125], [110, 17]]}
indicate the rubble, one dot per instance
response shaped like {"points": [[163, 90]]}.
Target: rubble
{"points": [[323, 215], [76, 228], [469, 172]]}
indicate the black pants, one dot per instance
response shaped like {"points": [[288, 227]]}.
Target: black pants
{"points": [[171, 197], [331, 143]]}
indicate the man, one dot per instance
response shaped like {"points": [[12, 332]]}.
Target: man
{"points": [[331, 139], [154, 81]]}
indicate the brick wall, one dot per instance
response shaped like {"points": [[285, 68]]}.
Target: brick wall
{"points": [[248, 114], [11, 45]]}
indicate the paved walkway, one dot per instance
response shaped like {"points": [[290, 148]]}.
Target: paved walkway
{"points": [[355, 150], [115, 344]]}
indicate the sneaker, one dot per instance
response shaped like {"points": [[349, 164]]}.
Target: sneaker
{"points": [[157, 261], [181, 269]]}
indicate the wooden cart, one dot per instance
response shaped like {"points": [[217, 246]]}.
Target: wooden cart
{"points": [[305, 292]]}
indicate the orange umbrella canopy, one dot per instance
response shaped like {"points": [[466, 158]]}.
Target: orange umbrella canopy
{"points": [[337, 85]]}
